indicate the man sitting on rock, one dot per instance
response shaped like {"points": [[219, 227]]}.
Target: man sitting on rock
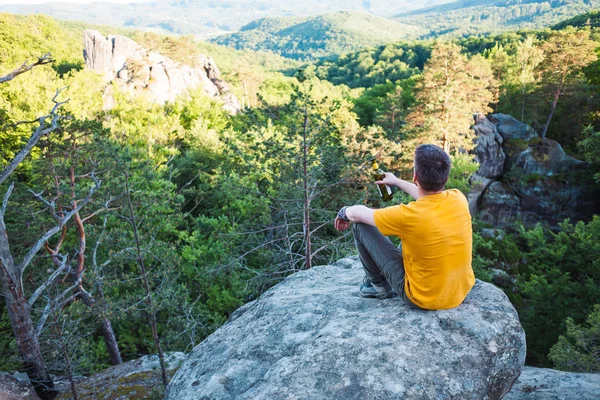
{"points": [[432, 267]]}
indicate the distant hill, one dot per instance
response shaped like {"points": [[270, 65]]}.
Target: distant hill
{"points": [[207, 17], [325, 35], [468, 17], [591, 19]]}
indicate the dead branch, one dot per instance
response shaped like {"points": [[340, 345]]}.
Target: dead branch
{"points": [[5, 202], [63, 266], [62, 222], [43, 60], [42, 130]]}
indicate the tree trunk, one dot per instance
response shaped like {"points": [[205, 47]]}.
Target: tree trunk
{"points": [[556, 96], [110, 339], [305, 144], [144, 276], [20, 319], [107, 330], [523, 105]]}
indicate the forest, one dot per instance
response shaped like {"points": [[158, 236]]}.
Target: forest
{"points": [[140, 229]]}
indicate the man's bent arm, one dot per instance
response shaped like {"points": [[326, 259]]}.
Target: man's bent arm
{"points": [[410, 188], [361, 214]]}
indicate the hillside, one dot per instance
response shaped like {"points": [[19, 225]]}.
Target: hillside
{"points": [[206, 17], [324, 35], [468, 17], [592, 19]]}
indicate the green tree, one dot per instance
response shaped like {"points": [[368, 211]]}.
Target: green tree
{"points": [[527, 58], [451, 90], [579, 349], [590, 146], [566, 52]]}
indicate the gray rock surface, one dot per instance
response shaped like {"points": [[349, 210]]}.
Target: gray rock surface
{"points": [[538, 181], [161, 79], [16, 387], [488, 148], [549, 384], [313, 337], [510, 128]]}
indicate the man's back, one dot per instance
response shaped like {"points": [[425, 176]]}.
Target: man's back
{"points": [[437, 245]]}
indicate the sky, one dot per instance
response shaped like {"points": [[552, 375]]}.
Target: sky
{"points": [[2, 2]]}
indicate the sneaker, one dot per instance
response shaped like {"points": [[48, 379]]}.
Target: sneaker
{"points": [[381, 291]]}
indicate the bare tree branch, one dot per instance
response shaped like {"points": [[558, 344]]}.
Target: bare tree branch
{"points": [[63, 266], [56, 304], [41, 131], [43, 60], [325, 246], [5, 202], [63, 221]]}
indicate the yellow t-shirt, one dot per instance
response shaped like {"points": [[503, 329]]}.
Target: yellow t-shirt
{"points": [[437, 242]]}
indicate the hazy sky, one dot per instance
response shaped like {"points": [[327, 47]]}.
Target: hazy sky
{"points": [[61, 1]]}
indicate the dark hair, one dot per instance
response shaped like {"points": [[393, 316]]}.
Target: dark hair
{"points": [[432, 167]]}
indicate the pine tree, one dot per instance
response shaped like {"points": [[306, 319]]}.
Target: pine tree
{"points": [[565, 53], [452, 89]]}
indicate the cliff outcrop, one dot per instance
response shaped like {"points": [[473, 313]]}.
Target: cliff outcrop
{"points": [[137, 70], [313, 337], [525, 178]]}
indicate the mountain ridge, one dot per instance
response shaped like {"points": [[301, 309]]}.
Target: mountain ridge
{"points": [[322, 36]]}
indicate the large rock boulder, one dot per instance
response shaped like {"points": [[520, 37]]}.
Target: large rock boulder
{"points": [[161, 79], [16, 387], [510, 128], [549, 384], [313, 337], [488, 148], [488, 153], [538, 181]]}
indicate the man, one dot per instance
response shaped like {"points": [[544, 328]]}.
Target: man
{"points": [[432, 268]]}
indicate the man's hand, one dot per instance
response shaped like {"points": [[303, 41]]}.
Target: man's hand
{"points": [[340, 224], [389, 179], [410, 188]]}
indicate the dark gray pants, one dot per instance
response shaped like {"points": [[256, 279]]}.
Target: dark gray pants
{"points": [[381, 260]]}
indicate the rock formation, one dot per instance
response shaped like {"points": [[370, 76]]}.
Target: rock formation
{"points": [[525, 178], [16, 387], [549, 384], [136, 69], [313, 337]]}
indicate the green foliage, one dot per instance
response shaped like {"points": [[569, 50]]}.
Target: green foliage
{"points": [[376, 66], [558, 278], [590, 146], [9, 359], [463, 166], [579, 349]]}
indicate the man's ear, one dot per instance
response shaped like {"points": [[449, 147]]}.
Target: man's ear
{"points": [[415, 180]]}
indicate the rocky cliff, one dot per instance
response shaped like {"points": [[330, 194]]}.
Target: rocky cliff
{"points": [[313, 337], [137, 70], [525, 178]]}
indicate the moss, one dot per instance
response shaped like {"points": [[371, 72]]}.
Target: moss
{"points": [[532, 178], [535, 141], [516, 145]]}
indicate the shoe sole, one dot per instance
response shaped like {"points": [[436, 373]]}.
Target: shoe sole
{"points": [[375, 296]]}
